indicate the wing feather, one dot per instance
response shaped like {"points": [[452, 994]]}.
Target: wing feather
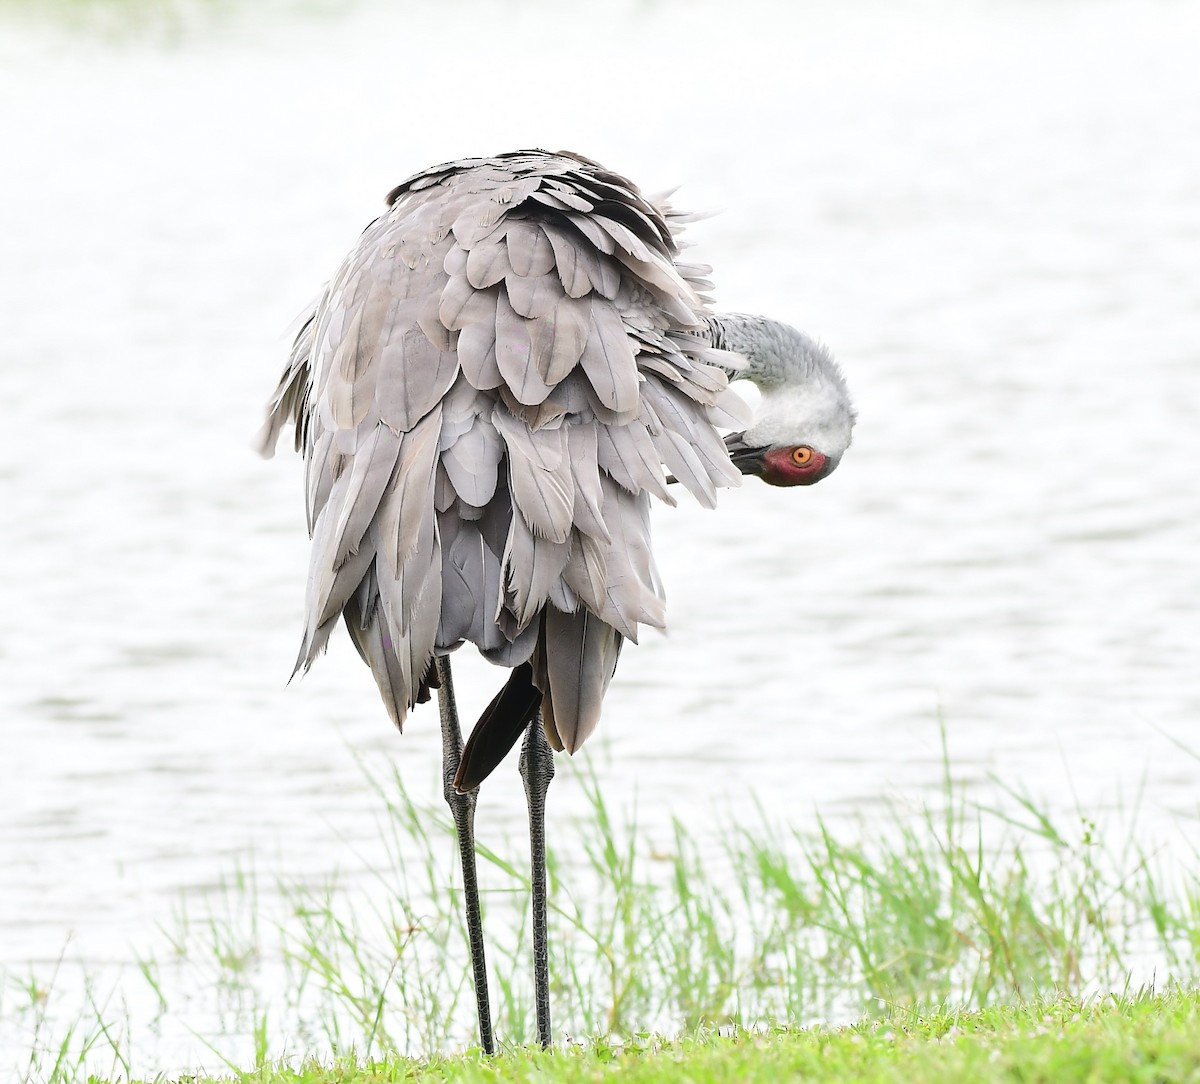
{"points": [[487, 262], [580, 267], [558, 338], [609, 359], [530, 568], [514, 354], [539, 475], [473, 462], [534, 296], [413, 376], [586, 572], [408, 504], [375, 646], [628, 455], [477, 342], [693, 438], [529, 251], [355, 498]]}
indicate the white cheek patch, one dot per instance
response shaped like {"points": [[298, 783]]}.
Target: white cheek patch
{"points": [[816, 414]]}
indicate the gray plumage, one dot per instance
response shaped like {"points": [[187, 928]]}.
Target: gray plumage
{"points": [[486, 395]]}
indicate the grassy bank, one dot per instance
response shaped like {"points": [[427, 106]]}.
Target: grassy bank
{"points": [[751, 927], [1144, 1038]]}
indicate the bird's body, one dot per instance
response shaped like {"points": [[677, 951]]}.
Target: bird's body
{"points": [[486, 395]]}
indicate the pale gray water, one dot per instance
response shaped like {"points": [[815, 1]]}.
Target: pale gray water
{"points": [[990, 211]]}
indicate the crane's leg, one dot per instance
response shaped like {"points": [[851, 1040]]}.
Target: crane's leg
{"points": [[537, 769], [462, 808]]}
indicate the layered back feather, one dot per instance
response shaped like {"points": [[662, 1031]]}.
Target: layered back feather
{"points": [[486, 395]]}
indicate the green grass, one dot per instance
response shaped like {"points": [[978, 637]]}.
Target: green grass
{"points": [[1126, 1040], [755, 926]]}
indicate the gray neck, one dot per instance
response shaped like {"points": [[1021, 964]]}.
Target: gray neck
{"points": [[779, 356]]}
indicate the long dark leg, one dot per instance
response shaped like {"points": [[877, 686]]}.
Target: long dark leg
{"points": [[537, 769], [462, 808]]}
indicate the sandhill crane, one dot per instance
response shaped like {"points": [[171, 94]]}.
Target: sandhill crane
{"points": [[486, 395]]}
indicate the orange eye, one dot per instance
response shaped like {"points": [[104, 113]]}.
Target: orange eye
{"points": [[802, 456]]}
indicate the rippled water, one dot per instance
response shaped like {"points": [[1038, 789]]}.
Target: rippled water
{"points": [[990, 211]]}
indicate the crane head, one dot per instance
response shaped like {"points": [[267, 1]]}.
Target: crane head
{"points": [[801, 432], [805, 417]]}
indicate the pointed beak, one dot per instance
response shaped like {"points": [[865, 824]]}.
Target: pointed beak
{"points": [[746, 457]]}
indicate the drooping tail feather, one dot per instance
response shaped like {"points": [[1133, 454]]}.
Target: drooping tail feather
{"points": [[503, 721]]}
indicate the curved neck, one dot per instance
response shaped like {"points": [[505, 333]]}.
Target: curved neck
{"points": [[778, 355]]}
